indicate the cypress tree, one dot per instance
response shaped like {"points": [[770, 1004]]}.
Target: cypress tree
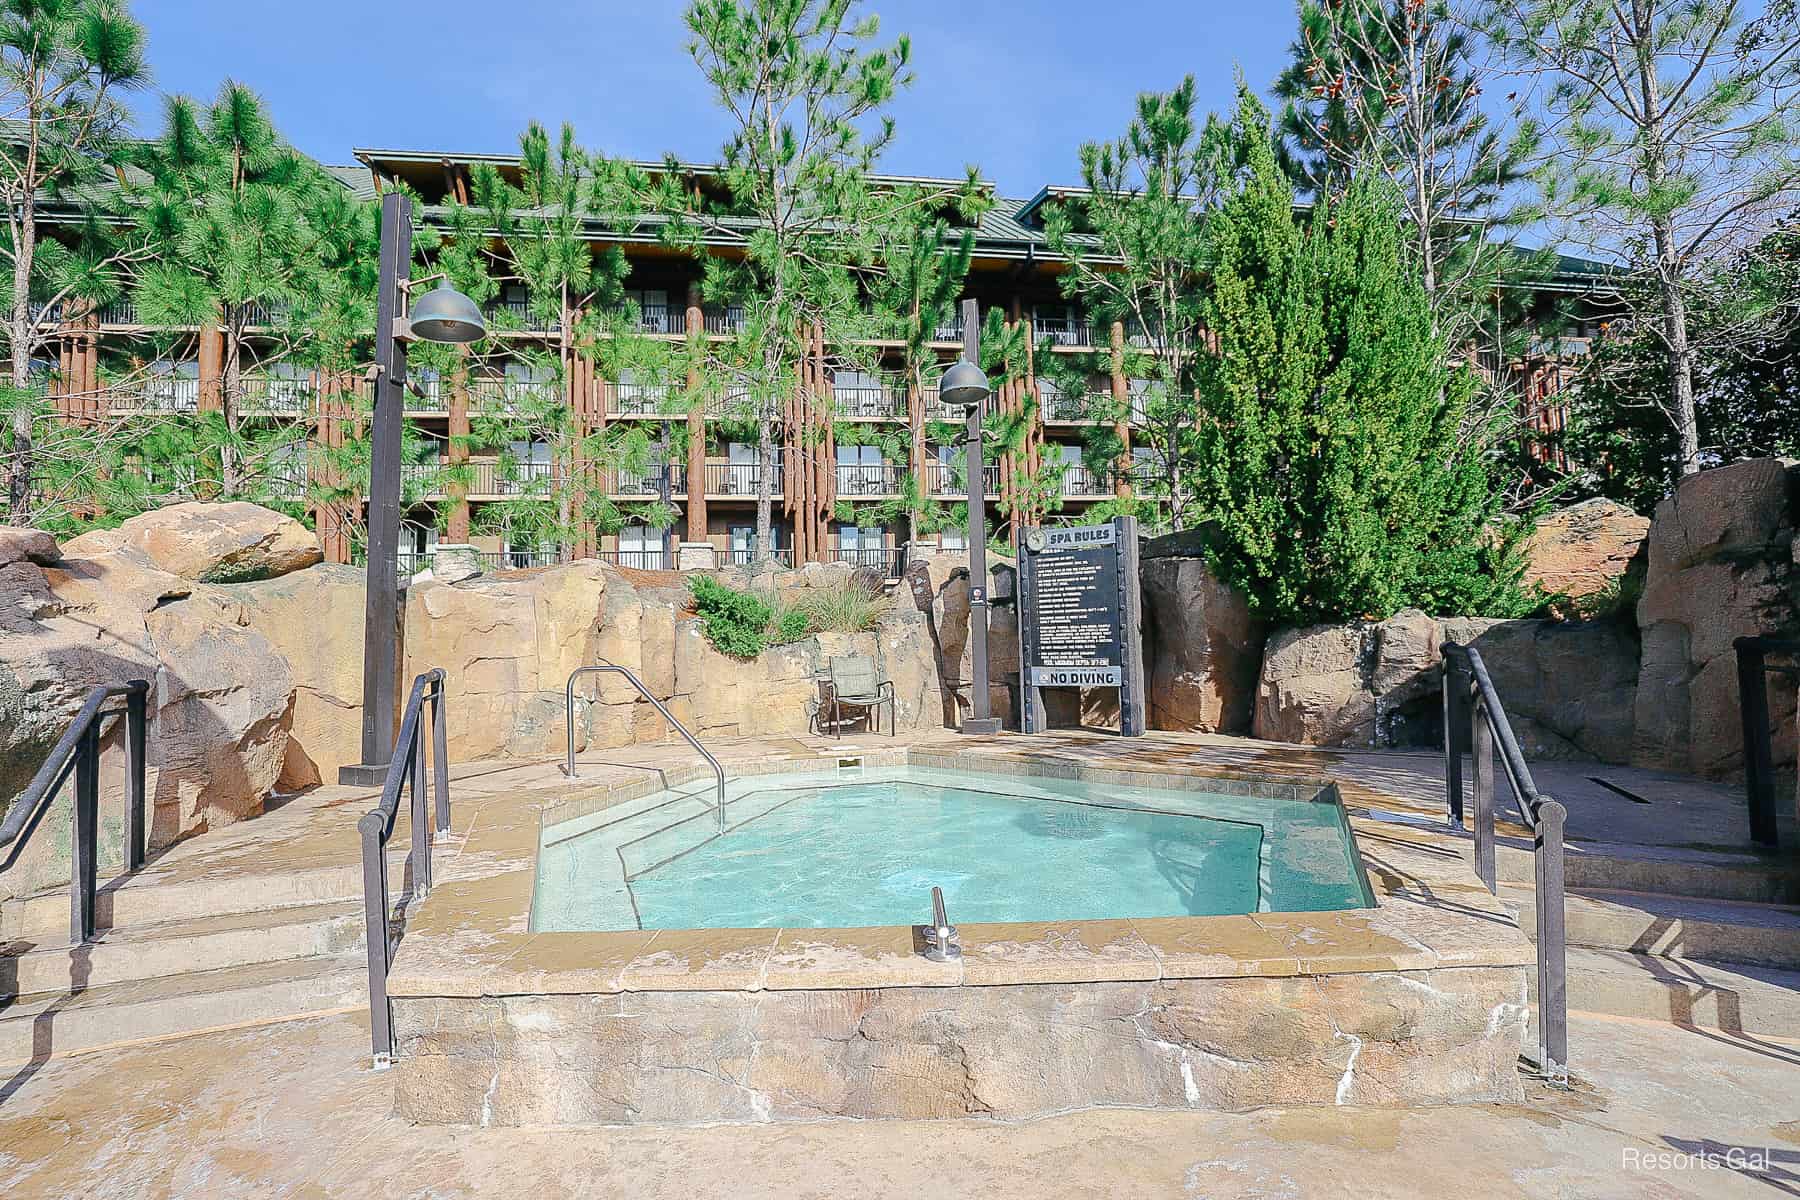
{"points": [[1329, 455]]}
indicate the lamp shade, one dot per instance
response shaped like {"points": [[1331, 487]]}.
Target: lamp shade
{"points": [[964, 385], [446, 315]]}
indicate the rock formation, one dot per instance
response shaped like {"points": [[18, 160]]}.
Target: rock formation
{"points": [[1202, 648], [1584, 550], [1722, 566]]}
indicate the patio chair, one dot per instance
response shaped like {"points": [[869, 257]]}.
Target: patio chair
{"points": [[856, 682]]}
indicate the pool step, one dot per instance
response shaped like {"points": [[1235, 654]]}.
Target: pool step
{"points": [[1674, 926], [29, 966], [1748, 876], [42, 1025], [1732, 998]]}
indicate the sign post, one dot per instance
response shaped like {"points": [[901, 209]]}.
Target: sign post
{"points": [[1080, 624]]}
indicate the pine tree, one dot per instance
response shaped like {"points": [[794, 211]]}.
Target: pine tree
{"points": [[1394, 88], [229, 217], [1328, 454], [64, 67], [804, 86], [1669, 139], [1136, 251]]}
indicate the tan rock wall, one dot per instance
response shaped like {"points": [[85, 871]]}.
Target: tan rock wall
{"points": [[1202, 648], [1449, 1035], [1721, 566]]}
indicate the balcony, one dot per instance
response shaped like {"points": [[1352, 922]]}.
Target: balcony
{"points": [[661, 318], [868, 479], [1062, 331], [733, 481], [638, 558], [868, 403], [509, 395], [951, 330], [122, 311], [1078, 480], [276, 394], [1060, 408], [948, 479], [518, 560], [517, 315], [889, 560], [170, 394], [641, 399], [725, 321], [742, 556], [649, 483]]}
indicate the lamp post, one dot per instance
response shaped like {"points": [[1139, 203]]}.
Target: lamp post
{"points": [[441, 315], [965, 386]]}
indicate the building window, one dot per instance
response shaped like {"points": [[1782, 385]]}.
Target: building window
{"points": [[865, 547]]}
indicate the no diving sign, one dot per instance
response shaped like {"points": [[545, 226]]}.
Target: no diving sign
{"points": [[1076, 677]]}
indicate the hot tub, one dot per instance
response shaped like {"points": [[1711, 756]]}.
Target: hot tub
{"points": [[1177, 938]]}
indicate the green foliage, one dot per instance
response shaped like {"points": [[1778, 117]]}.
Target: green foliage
{"points": [[1620, 440], [736, 623], [846, 607], [1136, 248], [1329, 455], [788, 626], [1668, 136]]}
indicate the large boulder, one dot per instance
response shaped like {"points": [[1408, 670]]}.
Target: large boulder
{"points": [[1721, 567], [27, 545], [314, 621], [1202, 648], [1568, 687], [1585, 550], [210, 543]]}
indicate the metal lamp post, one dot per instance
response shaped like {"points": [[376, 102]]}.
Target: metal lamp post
{"points": [[965, 386], [441, 315]]}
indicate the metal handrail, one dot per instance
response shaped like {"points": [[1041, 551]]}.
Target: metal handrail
{"points": [[677, 726], [942, 944], [1472, 703], [405, 768], [1753, 709], [78, 751]]}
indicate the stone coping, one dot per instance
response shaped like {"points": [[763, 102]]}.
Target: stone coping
{"points": [[472, 938]]}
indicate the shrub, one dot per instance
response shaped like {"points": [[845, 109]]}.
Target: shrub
{"points": [[788, 626], [1334, 447], [840, 608], [736, 623]]}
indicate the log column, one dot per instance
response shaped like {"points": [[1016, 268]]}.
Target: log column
{"points": [[696, 420], [458, 490], [1122, 403], [212, 369]]}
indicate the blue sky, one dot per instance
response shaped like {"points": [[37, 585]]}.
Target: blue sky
{"points": [[1013, 87]]}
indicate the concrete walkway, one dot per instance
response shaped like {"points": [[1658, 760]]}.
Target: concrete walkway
{"points": [[293, 1110]]}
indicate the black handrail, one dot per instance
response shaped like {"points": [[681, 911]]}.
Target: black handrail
{"points": [[1472, 703], [1753, 706], [78, 752], [406, 768]]}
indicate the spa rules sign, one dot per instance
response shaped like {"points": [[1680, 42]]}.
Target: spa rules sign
{"points": [[1078, 617]]}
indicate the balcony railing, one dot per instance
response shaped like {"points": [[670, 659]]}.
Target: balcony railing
{"points": [[889, 560], [739, 479], [504, 395], [518, 560], [1079, 480], [517, 314], [877, 403], [276, 394], [122, 311], [868, 479], [725, 320], [640, 558], [641, 399], [1064, 408], [1063, 333], [742, 556], [662, 318], [170, 393], [948, 479], [951, 330], [649, 482]]}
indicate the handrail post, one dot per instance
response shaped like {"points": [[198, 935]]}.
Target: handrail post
{"points": [[687, 734], [375, 911], [84, 853], [421, 813], [440, 761], [1481, 737], [1553, 993], [137, 705], [1759, 768], [1456, 721]]}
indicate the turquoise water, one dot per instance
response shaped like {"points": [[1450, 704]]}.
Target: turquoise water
{"points": [[806, 851]]}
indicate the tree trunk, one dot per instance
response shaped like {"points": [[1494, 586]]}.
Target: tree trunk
{"points": [[18, 484], [229, 401], [1681, 354]]}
